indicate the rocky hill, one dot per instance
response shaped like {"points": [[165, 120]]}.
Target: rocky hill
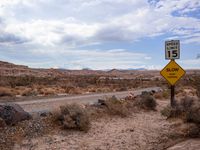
{"points": [[10, 69]]}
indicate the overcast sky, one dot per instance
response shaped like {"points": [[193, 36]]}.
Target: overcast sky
{"points": [[98, 34]]}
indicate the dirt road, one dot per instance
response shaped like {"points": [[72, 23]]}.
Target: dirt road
{"points": [[38, 105]]}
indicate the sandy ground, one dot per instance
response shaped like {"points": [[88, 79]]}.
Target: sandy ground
{"points": [[140, 131]]}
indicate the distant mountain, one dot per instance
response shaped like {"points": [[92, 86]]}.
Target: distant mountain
{"points": [[115, 71], [10, 69], [136, 69], [86, 69]]}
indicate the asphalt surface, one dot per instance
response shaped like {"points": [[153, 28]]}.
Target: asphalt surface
{"points": [[39, 105]]}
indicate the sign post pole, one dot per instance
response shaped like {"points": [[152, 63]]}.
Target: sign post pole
{"points": [[173, 102]]}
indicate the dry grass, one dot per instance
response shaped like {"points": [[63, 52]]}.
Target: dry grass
{"points": [[30, 92], [6, 92]]}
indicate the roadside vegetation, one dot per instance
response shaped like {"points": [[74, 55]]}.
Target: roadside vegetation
{"points": [[185, 117], [11, 86], [187, 109]]}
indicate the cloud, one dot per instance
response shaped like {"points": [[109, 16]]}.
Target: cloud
{"points": [[198, 56], [84, 22], [190, 63], [78, 59], [64, 29], [9, 39]]}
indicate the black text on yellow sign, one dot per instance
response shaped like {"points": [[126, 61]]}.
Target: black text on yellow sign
{"points": [[172, 72]]}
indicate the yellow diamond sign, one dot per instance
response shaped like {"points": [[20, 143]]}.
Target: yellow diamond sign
{"points": [[172, 72]]}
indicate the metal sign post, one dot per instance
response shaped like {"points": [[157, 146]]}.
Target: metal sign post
{"points": [[173, 102], [172, 72]]}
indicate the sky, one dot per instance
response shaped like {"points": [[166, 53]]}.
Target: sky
{"points": [[98, 34]]}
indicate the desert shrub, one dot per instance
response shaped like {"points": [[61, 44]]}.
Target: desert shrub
{"points": [[48, 91], [180, 110], [195, 82], [6, 92], [189, 130], [30, 92], [122, 89], [193, 131], [190, 108], [73, 116], [186, 103], [147, 101], [170, 112], [165, 94], [193, 115], [116, 107], [95, 112], [187, 109]]}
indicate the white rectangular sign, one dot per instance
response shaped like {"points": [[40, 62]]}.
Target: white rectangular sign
{"points": [[172, 49]]}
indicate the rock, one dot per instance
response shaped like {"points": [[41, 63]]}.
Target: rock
{"points": [[45, 113], [2, 123], [101, 102], [13, 113]]}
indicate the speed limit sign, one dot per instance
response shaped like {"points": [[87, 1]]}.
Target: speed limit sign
{"points": [[172, 49]]}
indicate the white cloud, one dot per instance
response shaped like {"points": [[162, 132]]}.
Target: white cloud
{"points": [[83, 22], [58, 28], [190, 63], [78, 59]]}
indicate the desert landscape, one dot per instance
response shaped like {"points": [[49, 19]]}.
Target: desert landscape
{"points": [[99, 74], [88, 109]]}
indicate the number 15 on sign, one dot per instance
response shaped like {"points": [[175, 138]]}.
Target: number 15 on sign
{"points": [[172, 49]]}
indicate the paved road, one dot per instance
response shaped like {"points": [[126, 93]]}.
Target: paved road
{"points": [[38, 105]]}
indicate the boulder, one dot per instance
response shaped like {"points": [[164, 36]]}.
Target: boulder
{"points": [[101, 102], [13, 113]]}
